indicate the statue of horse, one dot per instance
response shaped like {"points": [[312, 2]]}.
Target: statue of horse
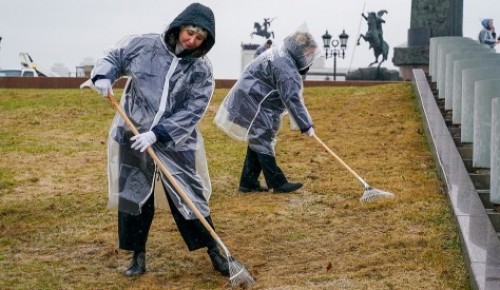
{"points": [[263, 31], [374, 35]]}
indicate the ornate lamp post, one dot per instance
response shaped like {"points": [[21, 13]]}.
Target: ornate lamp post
{"points": [[334, 51]]}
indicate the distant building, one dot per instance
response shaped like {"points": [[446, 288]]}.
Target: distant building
{"points": [[247, 53], [60, 69], [85, 67]]}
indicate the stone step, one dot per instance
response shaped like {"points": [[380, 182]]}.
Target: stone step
{"points": [[447, 115], [454, 131], [468, 165], [457, 139], [465, 145], [494, 218], [465, 152], [481, 181], [484, 195]]}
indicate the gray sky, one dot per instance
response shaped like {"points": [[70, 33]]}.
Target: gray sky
{"points": [[69, 31]]}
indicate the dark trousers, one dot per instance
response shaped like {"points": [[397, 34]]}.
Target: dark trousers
{"points": [[133, 230], [255, 163]]}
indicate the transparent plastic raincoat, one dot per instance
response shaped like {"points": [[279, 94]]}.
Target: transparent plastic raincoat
{"points": [[269, 87], [487, 35], [170, 94]]}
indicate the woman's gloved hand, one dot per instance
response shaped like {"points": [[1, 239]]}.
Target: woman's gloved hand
{"points": [[104, 87], [143, 141]]}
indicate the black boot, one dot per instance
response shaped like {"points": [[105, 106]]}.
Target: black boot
{"points": [[138, 265], [219, 262], [287, 187]]}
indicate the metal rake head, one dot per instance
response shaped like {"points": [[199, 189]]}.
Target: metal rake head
{"points": [[239, 275], [371, 194]]}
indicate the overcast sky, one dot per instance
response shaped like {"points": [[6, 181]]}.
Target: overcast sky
{"points": [[70, 31]]}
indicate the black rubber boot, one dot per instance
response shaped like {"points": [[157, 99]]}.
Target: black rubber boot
{"points": [[138, 265], [219, 262], [287, 187]]}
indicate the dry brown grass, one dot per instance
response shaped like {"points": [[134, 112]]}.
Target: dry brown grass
{"points": [[55, 232]]}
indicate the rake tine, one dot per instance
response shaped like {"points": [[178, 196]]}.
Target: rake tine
{"points": [[239, 276], [371, 194]]}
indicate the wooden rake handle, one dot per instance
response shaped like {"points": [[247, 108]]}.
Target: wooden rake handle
{"points": [[340, 160], [165, 171]]}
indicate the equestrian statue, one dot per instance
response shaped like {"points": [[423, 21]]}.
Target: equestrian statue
{"points": [[263, 31], [374, 35]]}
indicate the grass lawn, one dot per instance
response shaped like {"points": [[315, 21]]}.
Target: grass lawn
{"points": [[56, 233]]}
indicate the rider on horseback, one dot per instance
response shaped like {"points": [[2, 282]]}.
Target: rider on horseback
{"points": [[263, 32], [374, 35]]}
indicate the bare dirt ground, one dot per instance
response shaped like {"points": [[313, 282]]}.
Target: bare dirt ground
{"points": [[56, 233]]}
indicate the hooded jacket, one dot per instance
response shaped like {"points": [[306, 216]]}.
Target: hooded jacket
{"points": [[486, 35], [269, 87], [167, 94]]}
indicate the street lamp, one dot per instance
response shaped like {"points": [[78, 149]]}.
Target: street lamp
{"points": [[334, 51]]}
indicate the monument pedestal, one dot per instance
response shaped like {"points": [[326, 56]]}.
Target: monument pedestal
{"points": [[429, 18], [409, 57]]}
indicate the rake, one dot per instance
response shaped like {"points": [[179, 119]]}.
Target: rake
{"points": [[239, 276], [370, 193]]}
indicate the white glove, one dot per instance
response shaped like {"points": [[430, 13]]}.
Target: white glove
{"points": [[104, 87], [310, 132], [143, 141]]}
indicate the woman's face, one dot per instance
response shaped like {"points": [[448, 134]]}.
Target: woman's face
{"points": [[190, 39]]}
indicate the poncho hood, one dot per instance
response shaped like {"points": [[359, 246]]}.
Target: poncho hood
{"points": [[302, 47], [486, 22], [195, 14]]}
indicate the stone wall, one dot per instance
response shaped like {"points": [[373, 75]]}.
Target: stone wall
{"points": [[68, 83]]}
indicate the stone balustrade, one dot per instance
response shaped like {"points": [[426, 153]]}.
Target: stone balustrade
{"points": [[465, 76]]}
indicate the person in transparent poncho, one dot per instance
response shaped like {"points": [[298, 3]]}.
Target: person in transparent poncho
{"points": [[170, 86], [268, 88], [267, 45], [487, 35]]}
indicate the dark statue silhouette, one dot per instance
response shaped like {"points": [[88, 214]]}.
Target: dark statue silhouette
{"points": [[374, 35], [263, 31]]}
